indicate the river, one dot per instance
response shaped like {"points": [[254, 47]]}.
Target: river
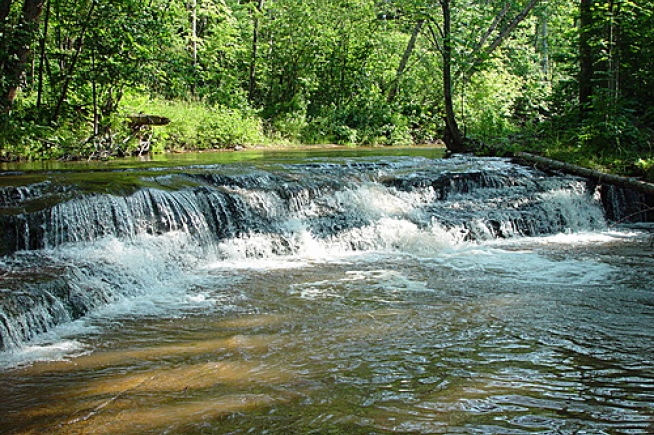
{"points": [[331, 294]]}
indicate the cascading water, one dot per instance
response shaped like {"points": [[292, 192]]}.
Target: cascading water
{"points": [[332, 295], [350, 206]]}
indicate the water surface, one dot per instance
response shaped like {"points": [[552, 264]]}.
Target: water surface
{"points": [[416, 331]]}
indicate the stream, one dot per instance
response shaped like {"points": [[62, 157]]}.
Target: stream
{"points": [[321, 293]]}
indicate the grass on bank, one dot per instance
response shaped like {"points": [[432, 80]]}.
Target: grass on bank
{"points": [[195, 126], [638, 165]]}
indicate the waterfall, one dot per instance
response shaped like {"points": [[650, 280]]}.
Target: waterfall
{"points": [[67, 252]]}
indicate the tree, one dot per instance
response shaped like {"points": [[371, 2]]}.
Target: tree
{"points": [[586, 61], [483, 50], [18, 41], [453, 137], [636, 56], [316, 53], [358, 71], [615, 79], [466, 38], [252, 79], [392, 93], [223, 57], [193, 6]]}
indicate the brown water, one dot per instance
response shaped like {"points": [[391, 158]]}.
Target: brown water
{"points": [[541, 336]]}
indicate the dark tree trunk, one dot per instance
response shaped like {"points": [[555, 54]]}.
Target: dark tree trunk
{"points": [[252, 86], [511, 27], [42, 59], [5, 7], [5, 38], [586, 63], [73, 64], [404, 61], [480, 53], [453, 137], [194, 44], [612, 36], [19, 52], [543, 45]]}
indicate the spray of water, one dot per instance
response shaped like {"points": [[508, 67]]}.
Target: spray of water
{"points": [[92, 252]]}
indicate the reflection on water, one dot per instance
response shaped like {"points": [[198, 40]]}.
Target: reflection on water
{"points": [[175, 160], [534, 337]]}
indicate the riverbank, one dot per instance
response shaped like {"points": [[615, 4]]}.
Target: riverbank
{"points": [[638, 167]]}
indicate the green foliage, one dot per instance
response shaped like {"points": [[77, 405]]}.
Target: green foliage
{"points": [[21, 138], [290, 126], [614, 131], [645, 167], [320, 71], [196, 126], [489, 104], [362, 122], [611, 130], [219, 77]]}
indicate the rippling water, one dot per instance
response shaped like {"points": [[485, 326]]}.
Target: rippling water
{"points": [[533, 336], [322, 296]]}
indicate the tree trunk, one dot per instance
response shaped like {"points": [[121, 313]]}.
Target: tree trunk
{"points": [[511, 27], [586, 63], [42, 59], [479, 55], [73, 64], [543, 46], [5, 38], [194, 43], [255, 47], [496, 22], [19, 52], [453, 137], [404, 61], [613, 52]]}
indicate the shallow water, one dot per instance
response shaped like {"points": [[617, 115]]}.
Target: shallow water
{"points": [[368, 296], [536, 336]]}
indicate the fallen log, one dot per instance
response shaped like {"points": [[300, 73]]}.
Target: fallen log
{"points": [[601, 178]]}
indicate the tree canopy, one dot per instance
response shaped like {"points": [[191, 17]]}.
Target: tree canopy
{"points": [[538, 73]]}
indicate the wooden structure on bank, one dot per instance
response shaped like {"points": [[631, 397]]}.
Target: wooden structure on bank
{"points": [[141, 126]]}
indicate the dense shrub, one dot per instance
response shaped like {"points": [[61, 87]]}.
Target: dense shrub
{"points": [[194, 125]]}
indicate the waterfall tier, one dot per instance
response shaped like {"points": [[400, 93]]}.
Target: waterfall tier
{"points": [[67, 251]]}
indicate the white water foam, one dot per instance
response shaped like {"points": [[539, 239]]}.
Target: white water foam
{"points": [[169, 276], [60, 350], [148, 276], [141, 272]]}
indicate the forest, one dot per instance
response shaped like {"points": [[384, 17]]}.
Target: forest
{"points": [[571, 80]]}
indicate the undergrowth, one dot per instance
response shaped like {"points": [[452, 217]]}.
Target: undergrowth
{"points": [[195, 126]]}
